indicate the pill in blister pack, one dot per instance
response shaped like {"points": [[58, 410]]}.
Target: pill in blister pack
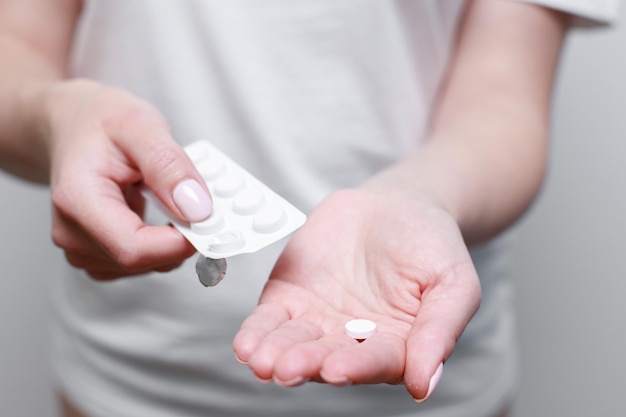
{"points": [[247, 215]]}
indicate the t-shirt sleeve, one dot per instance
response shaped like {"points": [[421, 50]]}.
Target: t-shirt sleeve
{"points": [[586, 13]]}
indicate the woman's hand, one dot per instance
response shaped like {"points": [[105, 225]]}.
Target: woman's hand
{"points": [[395, 250], [102, 143], [398, 261]]}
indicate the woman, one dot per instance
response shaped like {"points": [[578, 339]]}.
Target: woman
{"points": [[413, 133]]}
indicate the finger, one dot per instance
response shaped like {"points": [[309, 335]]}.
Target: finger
{"points": [[440, 321], [112, 272], [146, 140], [105, 218], [168, 267], [264, 319], [83, 252], [104, 268], [378, 359], [135, 200], [290, 333], [88, 262], [303, 362], [73, 238]]}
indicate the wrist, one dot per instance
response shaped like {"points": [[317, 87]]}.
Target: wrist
{"points": [[23, 140], [47, 107], [399, 182]]}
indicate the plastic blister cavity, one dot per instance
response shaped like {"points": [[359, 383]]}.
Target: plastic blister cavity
{"points": [[247, 215]]}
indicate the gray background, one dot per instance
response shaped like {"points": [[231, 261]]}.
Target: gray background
{"points": [[569, 262]]}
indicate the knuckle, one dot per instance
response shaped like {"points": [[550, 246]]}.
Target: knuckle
{"points": [[143, 120], [72, 260], [164, 160], [165, 163], [68, 195], [60, 235], [129, 259], [61, 198], [128, 110]]}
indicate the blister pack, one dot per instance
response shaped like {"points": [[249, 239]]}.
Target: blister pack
{"points": [[247, 214]]}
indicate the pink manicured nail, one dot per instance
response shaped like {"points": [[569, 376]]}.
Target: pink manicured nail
{"points": [[192, 200], [434, 380], [241, 361], [262, 380], [299, 380], [341, 381]]}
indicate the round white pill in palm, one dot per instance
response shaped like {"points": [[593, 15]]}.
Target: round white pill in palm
{"points": [[360, 328], [269, 219], [228, 184], [213, 224], [227, 241], [248, 201]]}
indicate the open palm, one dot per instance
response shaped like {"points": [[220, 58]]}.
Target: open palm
{"points": [[400, 262]]}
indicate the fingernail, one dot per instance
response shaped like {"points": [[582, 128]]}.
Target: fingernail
{"points": [[241, 361], [263, 380], [434, 380], [192, 200], [341, 381], [299, 380]]}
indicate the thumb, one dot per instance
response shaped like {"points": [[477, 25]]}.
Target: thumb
{"points": [[166, 169], [445, 311]]}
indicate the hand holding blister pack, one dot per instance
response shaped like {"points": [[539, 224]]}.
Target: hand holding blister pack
{"points": [[247, 215]]}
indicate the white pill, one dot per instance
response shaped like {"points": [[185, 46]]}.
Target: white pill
{"points": [[248, 201], [227, 241], [269, 219], [213, 224], [360, 328], [228, 184], [210, 168]]}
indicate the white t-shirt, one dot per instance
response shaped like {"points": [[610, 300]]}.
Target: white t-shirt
{"points": [[310, 96]]}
